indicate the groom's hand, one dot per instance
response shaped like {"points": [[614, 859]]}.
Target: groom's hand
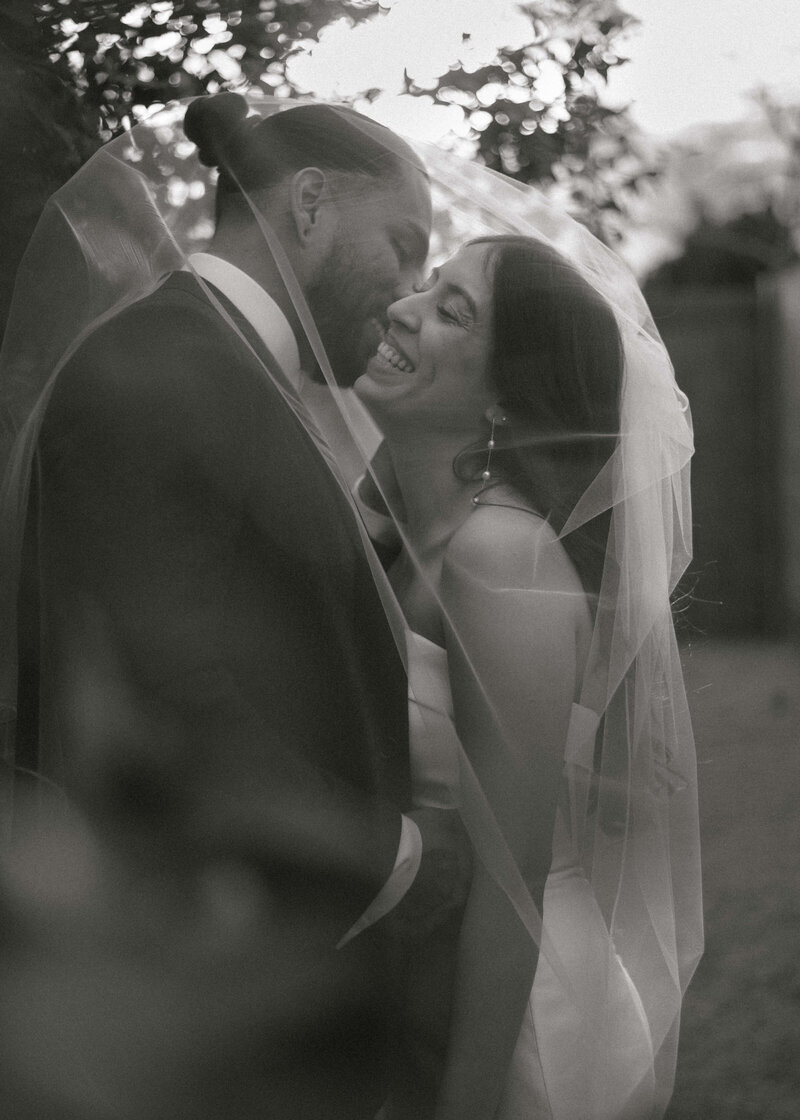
{"points": [[442, 881]]}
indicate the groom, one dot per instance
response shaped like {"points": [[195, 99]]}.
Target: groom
{"points": [[221, 686]]}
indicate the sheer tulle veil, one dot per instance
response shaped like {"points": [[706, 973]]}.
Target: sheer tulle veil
{"points": [[136, 211]]}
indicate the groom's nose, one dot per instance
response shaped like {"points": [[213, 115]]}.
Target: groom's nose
{"points": [[406, 284]]}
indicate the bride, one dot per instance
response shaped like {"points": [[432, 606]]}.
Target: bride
{"points": [[499, 389]]}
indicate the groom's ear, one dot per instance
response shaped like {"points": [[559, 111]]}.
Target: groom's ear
{"points": [[311, 206]]}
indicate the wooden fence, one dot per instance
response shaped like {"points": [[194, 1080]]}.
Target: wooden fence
{"points": [[736, 352]]}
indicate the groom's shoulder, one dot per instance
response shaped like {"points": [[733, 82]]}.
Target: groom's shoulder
{"points": [[176, 299], [168, 350]]}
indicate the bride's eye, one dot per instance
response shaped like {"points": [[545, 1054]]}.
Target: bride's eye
{"points": [[452, 314]]}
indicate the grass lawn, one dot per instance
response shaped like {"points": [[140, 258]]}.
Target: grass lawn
{"points": [[740, 1046]]}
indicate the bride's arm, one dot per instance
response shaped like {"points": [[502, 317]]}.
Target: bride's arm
{"points": [[512, 601]]}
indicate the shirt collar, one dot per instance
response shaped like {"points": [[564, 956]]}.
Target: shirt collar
{"points": [[257, 306]]}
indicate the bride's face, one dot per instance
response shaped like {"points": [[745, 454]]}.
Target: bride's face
{"points": [[433, 364]]}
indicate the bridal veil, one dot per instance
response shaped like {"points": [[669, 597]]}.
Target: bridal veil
{"points": [[137, 210]]}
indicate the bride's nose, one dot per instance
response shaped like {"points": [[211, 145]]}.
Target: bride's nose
{"points": [[405, 311]]}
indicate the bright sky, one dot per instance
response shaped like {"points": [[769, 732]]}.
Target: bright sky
{"points": [[692, 61]]}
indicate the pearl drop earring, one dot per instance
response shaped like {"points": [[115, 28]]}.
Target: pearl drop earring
{"points": [[486, 473]]}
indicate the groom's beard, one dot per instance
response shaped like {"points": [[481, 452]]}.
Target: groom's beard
{"points": [[348, 312]]}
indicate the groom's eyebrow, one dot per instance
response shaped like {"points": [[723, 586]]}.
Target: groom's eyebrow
{"points": [[413, 237]]}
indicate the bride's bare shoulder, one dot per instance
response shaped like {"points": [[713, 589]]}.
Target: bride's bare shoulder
{"points": [[511, 547]]}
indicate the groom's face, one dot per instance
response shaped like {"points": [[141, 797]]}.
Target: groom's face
{"points": [[378, 254]]}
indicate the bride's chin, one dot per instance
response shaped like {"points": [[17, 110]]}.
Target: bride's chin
{"points": [[386, 392], [361, 386], [371, 391]]}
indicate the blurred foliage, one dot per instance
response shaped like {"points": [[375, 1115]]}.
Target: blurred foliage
{"points": [[537, 113], [731, 252], [44, 134], [744, 212], [124, 57], [783, 120]]}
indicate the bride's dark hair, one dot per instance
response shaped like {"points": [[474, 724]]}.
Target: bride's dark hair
{"points": [[556, 364], [255, 153]]}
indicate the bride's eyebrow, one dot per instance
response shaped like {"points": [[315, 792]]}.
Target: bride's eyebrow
{"points": [[452, 288]]}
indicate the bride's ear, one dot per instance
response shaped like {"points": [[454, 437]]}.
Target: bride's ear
{"points": [[312, 210]]}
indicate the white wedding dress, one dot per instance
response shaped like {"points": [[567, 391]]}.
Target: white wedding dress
{"points": [[584, 1051]]}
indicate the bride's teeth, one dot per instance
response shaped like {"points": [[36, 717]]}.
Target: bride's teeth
{"points": [[394, 359]]}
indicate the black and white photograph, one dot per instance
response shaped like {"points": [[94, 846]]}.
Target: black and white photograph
{"points": [[399, 560]]}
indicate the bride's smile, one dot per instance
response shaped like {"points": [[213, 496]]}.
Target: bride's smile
{"points": [[390, 353], [433, 362]]}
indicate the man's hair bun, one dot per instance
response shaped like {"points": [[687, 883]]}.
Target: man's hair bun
{"points": [[213, 124], [253, 152]]}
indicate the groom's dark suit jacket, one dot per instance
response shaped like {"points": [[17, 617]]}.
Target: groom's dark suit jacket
{"points": [[218, 672]]}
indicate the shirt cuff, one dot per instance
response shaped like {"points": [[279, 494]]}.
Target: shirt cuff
{"points": [[380, 526], [406, 866]]}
